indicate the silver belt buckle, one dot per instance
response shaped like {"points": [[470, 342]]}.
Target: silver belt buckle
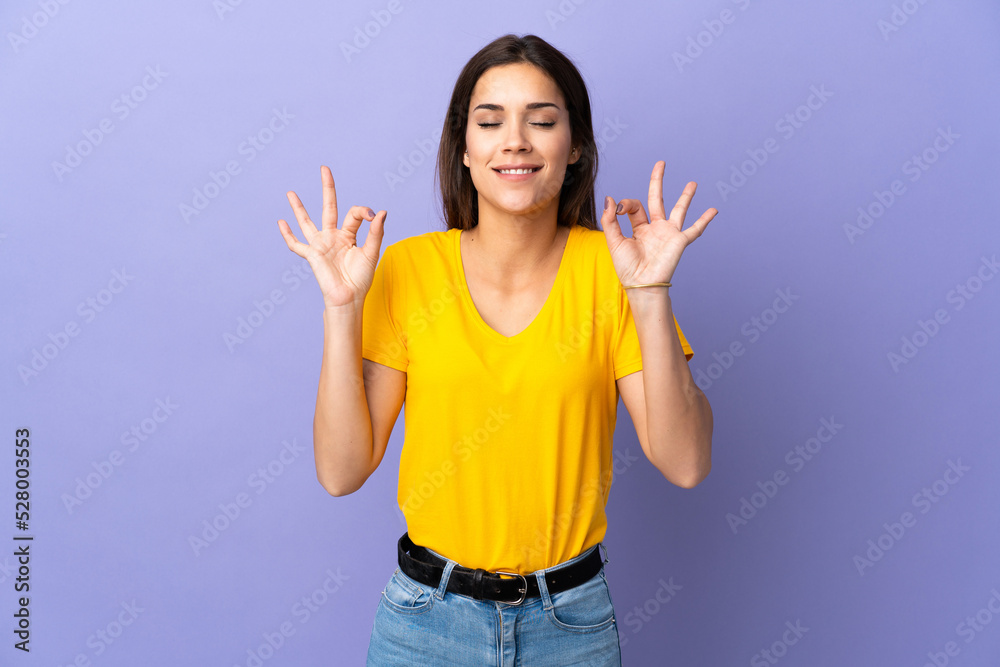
{"points": [[524, 591]]}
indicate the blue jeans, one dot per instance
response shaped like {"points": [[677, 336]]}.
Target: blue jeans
{"points": [[416, 624]]}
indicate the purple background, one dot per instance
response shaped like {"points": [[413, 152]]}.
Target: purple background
{"points": [[378, 111]]}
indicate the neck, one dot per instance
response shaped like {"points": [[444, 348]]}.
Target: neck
{"points": [[512, 249]]}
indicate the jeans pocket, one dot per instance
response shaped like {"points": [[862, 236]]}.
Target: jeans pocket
{"points": [[404, 595], [584, 608]]}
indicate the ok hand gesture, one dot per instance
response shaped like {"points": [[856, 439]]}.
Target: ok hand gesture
{"points": [[654, 250], [343, 270]]}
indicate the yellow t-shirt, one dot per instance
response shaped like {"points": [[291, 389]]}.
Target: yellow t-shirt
{"points": [[507, 453]]}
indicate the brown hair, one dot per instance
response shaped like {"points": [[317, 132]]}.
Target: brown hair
{"points": [[458, 194]]}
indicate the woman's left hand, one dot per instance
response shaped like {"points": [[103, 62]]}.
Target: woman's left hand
{"points": [[654, 250]]}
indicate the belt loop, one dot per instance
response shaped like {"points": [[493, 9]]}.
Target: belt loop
{"points": [[605, 552], [543, 589], [445, 577]]}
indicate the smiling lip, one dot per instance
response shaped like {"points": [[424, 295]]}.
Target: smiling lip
{"points": [[519, 166], [517, 176]]}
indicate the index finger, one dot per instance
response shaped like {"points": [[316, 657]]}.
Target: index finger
{"points": [[329, 198], [656, 191]]}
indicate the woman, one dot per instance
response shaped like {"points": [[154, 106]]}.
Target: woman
{"points": [[510, 335]]}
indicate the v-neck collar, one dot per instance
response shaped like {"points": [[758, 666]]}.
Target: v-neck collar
{"points": [[547, 306]]}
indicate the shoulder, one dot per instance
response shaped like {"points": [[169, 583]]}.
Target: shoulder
{"points": [[591, 238], [592, 246], [421, 247]]}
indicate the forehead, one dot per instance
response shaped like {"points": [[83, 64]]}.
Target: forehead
{"points": [[517, 84]]}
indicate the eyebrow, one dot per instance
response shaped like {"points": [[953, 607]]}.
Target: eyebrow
{"points": [[533, 105]]}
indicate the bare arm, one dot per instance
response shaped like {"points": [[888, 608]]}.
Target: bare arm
{"points": [[357, 401], [672, 416], [357, 404]]}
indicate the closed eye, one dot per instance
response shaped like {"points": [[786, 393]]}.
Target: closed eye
{"points": [[536, 124]]}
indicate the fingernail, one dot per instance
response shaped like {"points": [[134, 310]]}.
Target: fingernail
{"points": [[371, 213], [607, 203], [619, 209]]}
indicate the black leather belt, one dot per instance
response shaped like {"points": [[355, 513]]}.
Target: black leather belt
{"points": [[421, 565]]}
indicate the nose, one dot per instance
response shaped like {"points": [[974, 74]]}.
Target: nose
{"points": [[515, 141]]}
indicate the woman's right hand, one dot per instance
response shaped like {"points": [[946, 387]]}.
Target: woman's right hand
{"points": [[344, 271]]}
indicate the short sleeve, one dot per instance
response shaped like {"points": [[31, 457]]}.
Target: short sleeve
{"points": [[381, 337], [627, 356]]}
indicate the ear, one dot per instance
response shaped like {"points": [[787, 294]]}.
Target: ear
{"points": [[465, 159], [574, 155]]}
